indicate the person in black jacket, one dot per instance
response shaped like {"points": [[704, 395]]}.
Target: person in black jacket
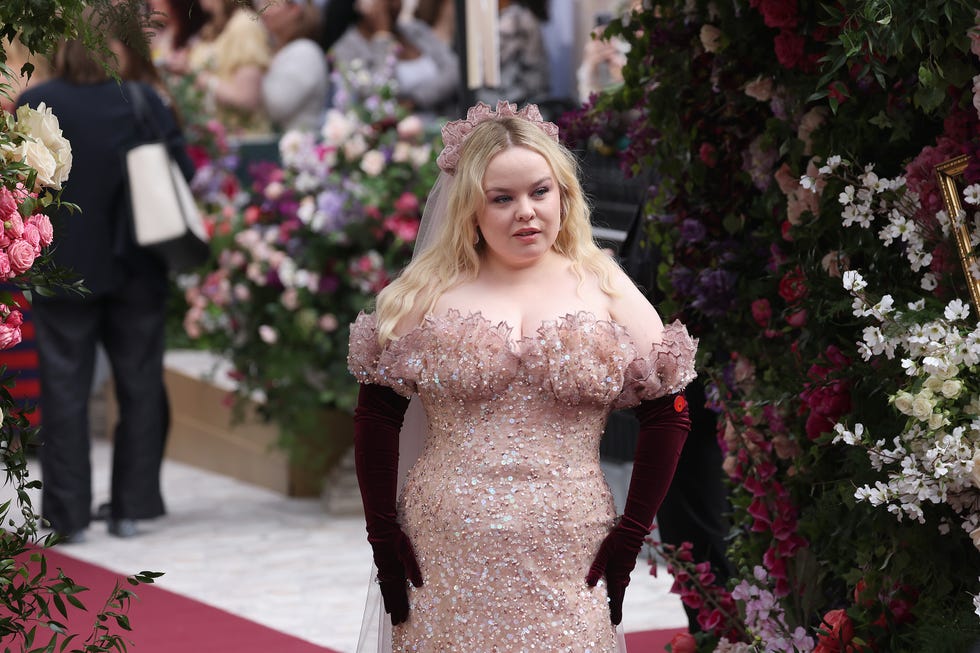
{"points": [[124, 310]]}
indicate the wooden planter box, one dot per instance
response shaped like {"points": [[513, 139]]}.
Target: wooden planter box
{"points": [[204, 432]]}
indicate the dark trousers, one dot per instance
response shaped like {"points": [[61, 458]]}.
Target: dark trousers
{"points": [[696, 507], [129, 323]]}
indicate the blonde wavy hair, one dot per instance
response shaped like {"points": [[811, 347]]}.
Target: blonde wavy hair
{"points": [[453, 258]]}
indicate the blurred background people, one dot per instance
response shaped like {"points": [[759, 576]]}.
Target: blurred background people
{"points": [[602, 61], [425, 68], [525, 74], [440, 15], [173, 24], [125, 308], [227, 61], [295, 87]]}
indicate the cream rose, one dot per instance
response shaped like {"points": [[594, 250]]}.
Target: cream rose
{"points": [[337, 128], [42, 126], [373, 163], [355, 146], [903, 403], [921, 407], [410, 127], [809, 123], [951, 388], [710, 38], [760, 89]]}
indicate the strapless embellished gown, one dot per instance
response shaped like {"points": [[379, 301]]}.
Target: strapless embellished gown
{"points": [[507, 506]]}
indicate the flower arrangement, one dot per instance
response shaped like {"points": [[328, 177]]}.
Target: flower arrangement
{"points": [[322, 233], [35, 160], [755, 223]]}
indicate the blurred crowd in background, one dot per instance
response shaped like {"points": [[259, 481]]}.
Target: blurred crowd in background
{"points": [[278, 65]]}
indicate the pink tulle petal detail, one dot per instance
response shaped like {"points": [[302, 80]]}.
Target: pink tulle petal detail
{"points": [[667, 369]]}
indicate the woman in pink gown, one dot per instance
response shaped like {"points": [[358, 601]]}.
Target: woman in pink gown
{"points": [[519, 336]]}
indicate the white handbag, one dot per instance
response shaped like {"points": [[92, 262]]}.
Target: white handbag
{"points": [[165, 216]]}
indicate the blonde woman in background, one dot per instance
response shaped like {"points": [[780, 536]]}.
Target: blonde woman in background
{"points": [[228, 60]]}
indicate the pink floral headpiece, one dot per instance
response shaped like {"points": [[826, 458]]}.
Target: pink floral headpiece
{"points": [[455, 132]]}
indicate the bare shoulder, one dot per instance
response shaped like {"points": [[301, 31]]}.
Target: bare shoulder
{"points": [[631, 309]]}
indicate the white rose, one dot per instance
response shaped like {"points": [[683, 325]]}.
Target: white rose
{"points": [[936, 421], [420, 155], [951, 388], [36, 155], [268, 334], [354, 147], [42, 125], [373, 163], [903, 403], [402, 152], [921, 408], [336, 128]]}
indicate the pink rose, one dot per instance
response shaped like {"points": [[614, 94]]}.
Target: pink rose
{"points": [[9, 336], [761, 311], [407, 204], [5, 272], [797, 319], [708, 155], [8, 204], [44, 228], [15, 318], [21, 255], [33, 236], [13, 226], [410, 128]]}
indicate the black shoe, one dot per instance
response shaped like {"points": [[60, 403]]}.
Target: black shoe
{"points": [[68, 538], [103, 512], [123, 527]]}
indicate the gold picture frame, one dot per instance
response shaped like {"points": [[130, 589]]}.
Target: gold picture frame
{"points": [[948, 174]]}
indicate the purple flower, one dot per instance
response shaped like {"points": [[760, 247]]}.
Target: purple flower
{"points": [[682, 281], [331, 203], [692, 231], [714, 292]]}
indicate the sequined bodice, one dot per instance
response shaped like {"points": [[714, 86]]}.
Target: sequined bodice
{"points": [[507, 505]]}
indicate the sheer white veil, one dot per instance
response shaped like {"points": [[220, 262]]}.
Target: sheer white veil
{"points": [[375, 634]]}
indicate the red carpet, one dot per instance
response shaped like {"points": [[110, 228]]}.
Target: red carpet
{"points": [[650, 641], [165, 622]]}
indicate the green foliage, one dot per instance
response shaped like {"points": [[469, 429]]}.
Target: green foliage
{"points": [[736, 101]]}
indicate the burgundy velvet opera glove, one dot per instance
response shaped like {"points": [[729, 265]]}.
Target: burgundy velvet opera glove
{"points": [[377, 423], [664, 425]]}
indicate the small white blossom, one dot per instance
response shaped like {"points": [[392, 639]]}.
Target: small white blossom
{"points": [[957, 310], [929, 282], [971, 194], [853, 281]]}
